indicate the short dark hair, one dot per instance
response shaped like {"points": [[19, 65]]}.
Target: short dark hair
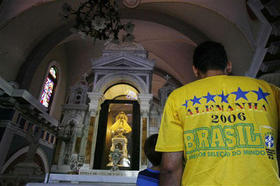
{"points": [[210, 55], [149, 148]]}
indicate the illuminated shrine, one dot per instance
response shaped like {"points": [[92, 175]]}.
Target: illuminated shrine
{"points": [[107, 133]]}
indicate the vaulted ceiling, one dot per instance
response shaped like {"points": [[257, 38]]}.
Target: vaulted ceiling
{"points": [[33, 31]]}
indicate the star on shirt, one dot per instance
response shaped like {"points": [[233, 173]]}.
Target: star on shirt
{"points": [[261, 94], [195, 100], [224, 97], [240, 94], [186, 104], [210, 97]]}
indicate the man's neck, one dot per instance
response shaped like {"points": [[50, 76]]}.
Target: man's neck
{"points": [[210, 73]]}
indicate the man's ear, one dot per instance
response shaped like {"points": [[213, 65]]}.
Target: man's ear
{"points": [[195, 71], [228, 67]]}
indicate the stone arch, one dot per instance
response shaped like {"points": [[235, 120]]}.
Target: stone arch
{"points": [[21, 152], [111, 79], [44, 158]]}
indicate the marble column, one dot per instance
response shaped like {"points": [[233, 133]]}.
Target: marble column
{"points": [[94, 107], [144, 101], [154, 121]]}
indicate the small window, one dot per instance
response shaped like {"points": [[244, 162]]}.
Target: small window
{"points": [[49, 88]]}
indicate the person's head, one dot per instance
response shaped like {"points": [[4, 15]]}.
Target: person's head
{"points": [[210, 56], [149, 149]]}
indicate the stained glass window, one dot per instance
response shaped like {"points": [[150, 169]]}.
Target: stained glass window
{"points": [[49, 88]]}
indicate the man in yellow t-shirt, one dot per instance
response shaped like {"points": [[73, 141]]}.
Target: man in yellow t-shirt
{"points": [[225, 128]]}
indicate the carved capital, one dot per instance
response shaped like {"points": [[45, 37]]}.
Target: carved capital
{"points": [[144, 100], [95, 98]]}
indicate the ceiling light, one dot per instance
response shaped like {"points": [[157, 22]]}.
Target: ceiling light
{"points": [[99, 19]]}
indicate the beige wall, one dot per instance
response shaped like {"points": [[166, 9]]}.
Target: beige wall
{"points": [[80, 53]]}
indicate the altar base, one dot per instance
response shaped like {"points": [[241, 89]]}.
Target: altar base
{"points": [[95, 177]]}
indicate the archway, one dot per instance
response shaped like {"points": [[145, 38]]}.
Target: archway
{"points": [[120, 101]]}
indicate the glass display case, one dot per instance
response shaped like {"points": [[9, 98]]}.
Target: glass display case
{"points": [[118, 136]]}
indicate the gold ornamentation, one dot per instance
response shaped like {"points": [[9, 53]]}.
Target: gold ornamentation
{"points": [[121, 126], [119, 142]]}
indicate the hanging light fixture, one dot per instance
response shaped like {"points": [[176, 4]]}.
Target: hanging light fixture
{"points": [[99, 19]]}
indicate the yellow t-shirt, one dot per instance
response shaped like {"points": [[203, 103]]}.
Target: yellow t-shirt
{"points": [[227, 127]]}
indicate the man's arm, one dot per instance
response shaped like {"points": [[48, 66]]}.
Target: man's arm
{"points": [[171, 168]]}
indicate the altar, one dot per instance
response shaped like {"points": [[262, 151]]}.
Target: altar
{"points": [[98, 177], [107, 119]]}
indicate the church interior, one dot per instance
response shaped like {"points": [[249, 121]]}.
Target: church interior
{"points": [[76, 109]]}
